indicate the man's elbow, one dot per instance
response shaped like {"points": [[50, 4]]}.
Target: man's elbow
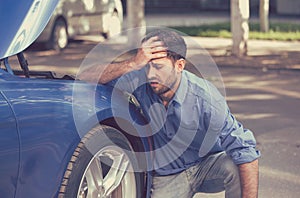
{"points": [[103, 80]]}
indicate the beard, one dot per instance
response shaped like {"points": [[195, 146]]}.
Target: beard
{"points": [[161, 89]]}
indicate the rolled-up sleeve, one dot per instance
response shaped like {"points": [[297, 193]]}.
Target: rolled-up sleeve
{"points": [[129, 82], [238, 142]]}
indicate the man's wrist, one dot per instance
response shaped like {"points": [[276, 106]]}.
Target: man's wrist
{"points": [[133, 64], [249, 179]]}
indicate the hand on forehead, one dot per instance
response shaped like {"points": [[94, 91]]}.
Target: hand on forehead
{"points": [[155, 47]]}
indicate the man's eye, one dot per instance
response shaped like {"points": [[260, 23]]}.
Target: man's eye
{"points": [[157, 66]]}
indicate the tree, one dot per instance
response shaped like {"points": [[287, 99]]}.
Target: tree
{"points": [[239, 26], [135, 21], [264, 15]]}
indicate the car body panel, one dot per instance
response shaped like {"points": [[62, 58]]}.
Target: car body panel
{"points": [[48, 132], [9, 149], [24, 21], [42, 112]]}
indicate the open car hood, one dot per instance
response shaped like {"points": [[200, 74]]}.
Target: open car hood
{"points": [[21, 23]]}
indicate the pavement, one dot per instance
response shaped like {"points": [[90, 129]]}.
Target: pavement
{"points": [[261, 54]]}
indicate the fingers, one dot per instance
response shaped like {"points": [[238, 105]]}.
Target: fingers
{"points": [[154, 48], [158, 54], [158, 48]]}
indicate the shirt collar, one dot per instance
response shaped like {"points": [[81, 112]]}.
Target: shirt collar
{"points": [[182, 89]]}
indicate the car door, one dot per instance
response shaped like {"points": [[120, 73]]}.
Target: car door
{"points": [[78, 13], [96, 13], [9, 149]]}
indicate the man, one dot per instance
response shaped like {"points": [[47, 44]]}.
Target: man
{"points": [[191, 122]]}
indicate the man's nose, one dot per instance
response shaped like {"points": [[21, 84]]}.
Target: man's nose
{"points": [[150, 72]]}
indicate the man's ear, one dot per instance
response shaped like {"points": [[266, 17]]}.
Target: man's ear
{"points": [[180, 64]]}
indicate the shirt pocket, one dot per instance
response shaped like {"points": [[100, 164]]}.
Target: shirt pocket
{"points": [[190, 118]]}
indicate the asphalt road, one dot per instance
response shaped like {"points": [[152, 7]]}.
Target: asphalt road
{"points": [[266, 102]]}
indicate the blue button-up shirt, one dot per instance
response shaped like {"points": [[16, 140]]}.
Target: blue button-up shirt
{"points": [[196, 123]]}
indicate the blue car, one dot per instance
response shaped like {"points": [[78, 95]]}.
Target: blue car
{"points": [[60, 137]]}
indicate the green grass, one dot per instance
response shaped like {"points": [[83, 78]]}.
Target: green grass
{"points": [[278, 31]]}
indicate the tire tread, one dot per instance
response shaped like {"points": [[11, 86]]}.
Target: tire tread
{"points": [[80, 147]]}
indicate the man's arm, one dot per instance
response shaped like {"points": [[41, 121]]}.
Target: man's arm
{"points": [[249, 179], [150, 49]]}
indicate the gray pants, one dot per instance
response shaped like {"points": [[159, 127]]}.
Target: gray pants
{"points": [[215, 174]]}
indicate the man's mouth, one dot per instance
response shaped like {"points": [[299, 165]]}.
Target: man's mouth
{"points": [[153, 84]]}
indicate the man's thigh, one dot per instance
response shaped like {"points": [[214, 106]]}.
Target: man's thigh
{"points": [[217, 173], [208, 176], [171, 186]]}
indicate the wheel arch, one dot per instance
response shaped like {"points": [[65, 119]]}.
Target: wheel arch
{"points": [[59, 18], [137, 144], [130, 132], [49, 28]]}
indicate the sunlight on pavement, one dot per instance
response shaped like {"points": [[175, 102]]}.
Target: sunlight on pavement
{"points": [[251, 97], [255, 116]]}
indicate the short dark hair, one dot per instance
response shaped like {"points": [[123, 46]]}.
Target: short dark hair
{"points": [[172, 40]]}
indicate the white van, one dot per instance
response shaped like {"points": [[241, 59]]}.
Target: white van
{"points": [[79, 17]]}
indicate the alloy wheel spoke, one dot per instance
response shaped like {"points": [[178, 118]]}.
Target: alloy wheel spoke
{"points": [[94, 178], [116, 173]]}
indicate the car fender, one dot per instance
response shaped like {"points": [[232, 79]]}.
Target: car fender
{"points": [[49, 131]]}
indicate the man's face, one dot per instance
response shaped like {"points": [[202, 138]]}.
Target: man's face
{"points": [[162, 75]]}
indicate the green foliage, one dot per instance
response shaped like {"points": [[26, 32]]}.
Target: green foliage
{"points": [[278, 31]]}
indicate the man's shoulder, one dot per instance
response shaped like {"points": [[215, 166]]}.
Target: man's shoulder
{"points": [[201, 87], [197, 85]]}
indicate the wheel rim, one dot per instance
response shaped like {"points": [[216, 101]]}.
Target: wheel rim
{"points": [[100, 180], [61, 37]]}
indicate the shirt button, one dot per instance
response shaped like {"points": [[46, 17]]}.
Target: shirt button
{"points": [[170, 135]]}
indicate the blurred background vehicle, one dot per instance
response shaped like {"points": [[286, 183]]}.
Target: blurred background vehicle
{"points": [[80, 17]]}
